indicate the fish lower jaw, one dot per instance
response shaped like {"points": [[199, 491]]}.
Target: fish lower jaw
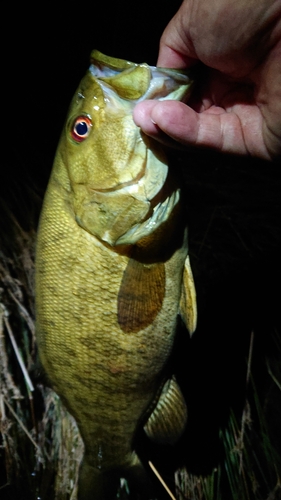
{"points": [[161, 213]]}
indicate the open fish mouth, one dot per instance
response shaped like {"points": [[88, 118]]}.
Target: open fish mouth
{"points": [[161, 213], [136, 82]]}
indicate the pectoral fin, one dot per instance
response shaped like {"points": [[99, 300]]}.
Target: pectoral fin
{"points": [[167, 421], [141, 295], [188, 308]]}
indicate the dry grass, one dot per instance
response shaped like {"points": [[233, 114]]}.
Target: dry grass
{"points": [[41, 448]]}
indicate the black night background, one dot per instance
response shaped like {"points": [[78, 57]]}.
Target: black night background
{"points": [[233, 208]]}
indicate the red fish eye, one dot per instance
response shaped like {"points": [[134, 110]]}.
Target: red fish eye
{"points": [[81, 128]]}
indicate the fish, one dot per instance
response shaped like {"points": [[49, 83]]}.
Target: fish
{"points": [[113, 274]]}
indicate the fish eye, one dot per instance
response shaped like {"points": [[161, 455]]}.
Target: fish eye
{"points": [[81, 128]]}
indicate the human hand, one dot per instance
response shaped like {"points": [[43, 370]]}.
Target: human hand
{"points": [[239, 106]]}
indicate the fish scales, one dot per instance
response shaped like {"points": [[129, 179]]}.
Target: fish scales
{"points": [[110, 280]]}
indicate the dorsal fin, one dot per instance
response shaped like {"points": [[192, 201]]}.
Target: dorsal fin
{"points": [[188, 308]]}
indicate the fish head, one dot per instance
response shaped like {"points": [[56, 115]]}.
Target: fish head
{"points": [[115, 174]]}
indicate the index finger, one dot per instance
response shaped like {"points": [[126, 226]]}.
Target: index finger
{"points": [[171, 58], [176, 48]]}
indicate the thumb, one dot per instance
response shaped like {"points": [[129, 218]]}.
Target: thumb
{"points": [[213, 128]]}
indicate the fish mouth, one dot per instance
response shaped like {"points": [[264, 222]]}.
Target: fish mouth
{"points": [[160, 213]]}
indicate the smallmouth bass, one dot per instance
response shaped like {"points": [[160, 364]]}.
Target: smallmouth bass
{"points": [[113, 273]]}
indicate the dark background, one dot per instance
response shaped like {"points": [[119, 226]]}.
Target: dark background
{"points": [[47, 49], [232, 204]]}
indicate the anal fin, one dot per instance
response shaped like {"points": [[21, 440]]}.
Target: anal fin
{"points": [[168, 419]]}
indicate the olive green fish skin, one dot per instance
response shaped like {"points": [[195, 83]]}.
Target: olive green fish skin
{"points": [[106, 376], [106, 312]]}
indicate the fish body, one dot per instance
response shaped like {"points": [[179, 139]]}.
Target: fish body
{"points": [[112, 273]]}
